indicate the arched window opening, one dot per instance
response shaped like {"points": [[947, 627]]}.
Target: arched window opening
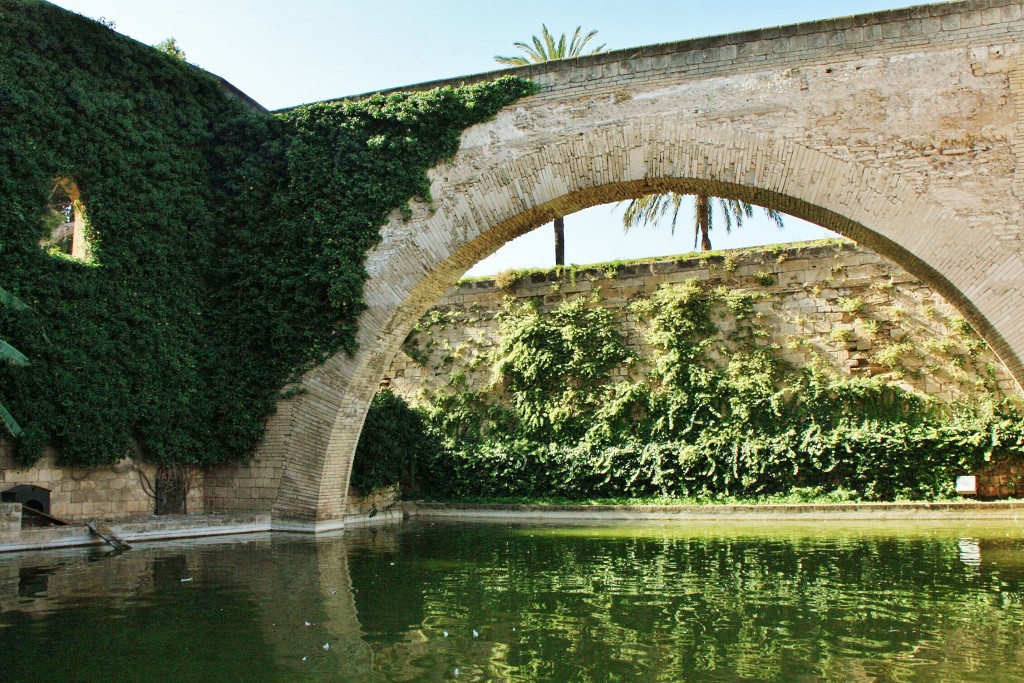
{"points": [[66, 220]]}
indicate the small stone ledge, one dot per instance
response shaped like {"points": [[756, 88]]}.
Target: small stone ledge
{"points": [[137, 530], [885, 32], [392, 516]]}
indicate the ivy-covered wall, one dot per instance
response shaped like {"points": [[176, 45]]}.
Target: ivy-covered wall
{"points": [[226, 244], [821, 369], [830, 301]]}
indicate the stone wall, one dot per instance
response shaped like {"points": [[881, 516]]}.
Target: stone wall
{"points": [[1003, 479], [10, 519], [78, 493], [119, 492], [837, 301]]}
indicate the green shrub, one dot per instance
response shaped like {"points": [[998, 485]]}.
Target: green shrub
{"points": [[841, 335], [852, 304], [705, 423], [394, 440], [892, 353]]}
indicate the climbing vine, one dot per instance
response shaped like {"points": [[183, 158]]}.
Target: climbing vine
{"points": [[571, 414], [227, 245]]}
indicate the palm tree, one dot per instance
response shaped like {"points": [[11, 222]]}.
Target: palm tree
{"points": [[546, 49], [652, 207], [9, 354]]}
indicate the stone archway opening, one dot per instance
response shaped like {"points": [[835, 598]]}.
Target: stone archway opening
{"points": [[883, 246]]}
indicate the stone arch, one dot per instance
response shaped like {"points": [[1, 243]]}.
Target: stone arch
{"points": [[481, 201]]}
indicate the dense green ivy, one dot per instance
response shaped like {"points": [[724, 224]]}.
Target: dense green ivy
{"points": [[227, 244], [395, 439], [716, 416]]}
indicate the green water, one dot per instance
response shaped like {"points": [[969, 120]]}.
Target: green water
{"points": [[470, 602]]}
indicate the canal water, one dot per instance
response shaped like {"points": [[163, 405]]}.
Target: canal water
{"points": [[485, 602]]}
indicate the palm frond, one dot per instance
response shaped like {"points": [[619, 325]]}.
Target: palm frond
{"points": [[650, 209], [579, 43], [574, 45], [8, 299], [559, 51], [546, 48], [540, 51], [511, 61], [776, 216], [12, 425], [9, 354]]}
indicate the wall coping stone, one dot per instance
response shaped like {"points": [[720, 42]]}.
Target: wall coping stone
{"points": [[916, 13]]}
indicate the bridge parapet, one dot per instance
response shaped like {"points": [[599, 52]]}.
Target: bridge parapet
{"points": [[975, 24]]}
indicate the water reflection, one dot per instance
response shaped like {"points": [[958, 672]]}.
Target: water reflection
{"points": [[499, 602], [970, 551]]}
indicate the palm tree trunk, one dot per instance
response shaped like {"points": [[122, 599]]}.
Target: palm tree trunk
{"points": [[704, 221], [559, 241]]}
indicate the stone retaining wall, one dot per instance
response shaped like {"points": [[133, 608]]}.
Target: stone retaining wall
{"points": [[380, 500], [10, 519], [1003, 479], [846, 304], [79, 493]]}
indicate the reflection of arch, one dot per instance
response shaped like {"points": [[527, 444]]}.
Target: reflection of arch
{"points": [[66, 220], [483, 202]]}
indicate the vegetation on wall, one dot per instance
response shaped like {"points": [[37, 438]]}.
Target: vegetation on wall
{"points": [[227, 245], [569, 414], [10, 356], [395, 439]]}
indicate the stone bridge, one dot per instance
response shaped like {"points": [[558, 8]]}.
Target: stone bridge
{"points": [[899, 129]]}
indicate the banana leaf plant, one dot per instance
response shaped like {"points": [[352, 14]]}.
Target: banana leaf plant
{"points": [[9, 354]]}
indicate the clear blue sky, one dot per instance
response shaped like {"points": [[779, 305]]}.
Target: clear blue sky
{"points": [[283, 53]]}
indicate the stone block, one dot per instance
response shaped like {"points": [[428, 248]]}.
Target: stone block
{"points": [[10, 518]]}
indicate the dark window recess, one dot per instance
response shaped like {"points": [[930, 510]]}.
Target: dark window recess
{"points": [[35, 497]]}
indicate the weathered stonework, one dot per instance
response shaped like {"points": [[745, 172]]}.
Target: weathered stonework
{"points": [[1004, 479], [10, 520], [899, 129], [79, 493], [860, 312]]}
